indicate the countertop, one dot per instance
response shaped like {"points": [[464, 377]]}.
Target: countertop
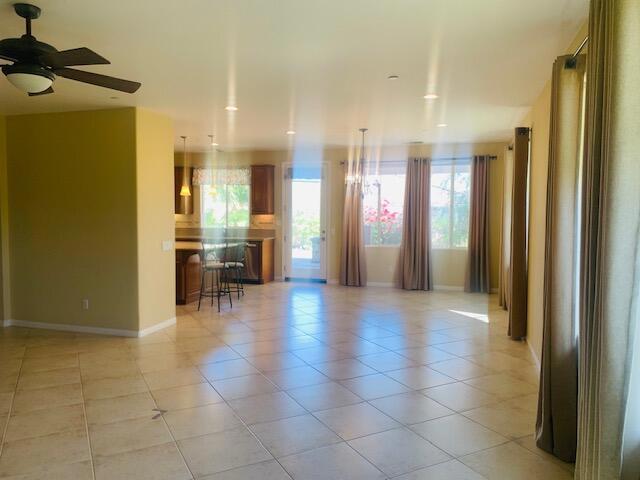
{"points": [[197, 238]]}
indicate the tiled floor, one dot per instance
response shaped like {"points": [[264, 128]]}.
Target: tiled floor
{"points": [[297, 381]]}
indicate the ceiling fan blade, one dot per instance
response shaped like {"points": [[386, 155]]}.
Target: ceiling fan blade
{"points": [[44, 92], [75, 56], [99, 80]]}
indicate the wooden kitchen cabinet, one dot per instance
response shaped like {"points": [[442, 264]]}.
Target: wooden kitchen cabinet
{"points": [[262, 189]]}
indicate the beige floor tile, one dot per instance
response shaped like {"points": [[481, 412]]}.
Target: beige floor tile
{"points": [[170, 361], [275, 361], [504, 419], [246, 386], [227, 369], [212, 453], [119, 437], [297, 377], [161, 462], [5, 402], [419, 377], [344, 369], [108, 369], [44, 398], [378, 385], [502, 385], [43, 364], [353, 421], [45, 422], [9, 366], [35, 455], [266, 407], [451, 470], [65, 471], [270, 470], [409, 451], [186, 396], [52, 378], [161, 348], [387, 361], [8, 382], [220, 353], [513, 461], [323, 396], [529, 442], [108, 410], [460, 396], [457, 435], [293, 435], [113, 387], [337, 461], [460, 369], [193, 422], [409, 408], [173, 378]]}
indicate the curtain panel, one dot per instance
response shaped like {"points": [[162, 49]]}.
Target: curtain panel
{"points": [[518, 240], [556, 425], [505, 233], [414, 265], [610, 257], [353, 262], [477, 276]]}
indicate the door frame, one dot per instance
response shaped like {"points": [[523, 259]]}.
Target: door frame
{"points": [[324, 222]]}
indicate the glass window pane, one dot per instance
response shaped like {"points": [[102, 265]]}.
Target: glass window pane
{"points": [[382, 209], [213, 206], [238, 205], [440, 206], [462, 185]]}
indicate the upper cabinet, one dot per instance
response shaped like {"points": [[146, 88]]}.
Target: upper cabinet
{"points": [[262, 189], [183, 204]]}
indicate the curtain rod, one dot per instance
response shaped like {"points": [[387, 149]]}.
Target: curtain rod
{"points": [[571, 61], [434, 159]]}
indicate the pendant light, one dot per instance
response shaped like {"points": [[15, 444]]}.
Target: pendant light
{"points": [[185, 191]]}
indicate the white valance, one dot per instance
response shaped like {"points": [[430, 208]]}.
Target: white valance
{"points": [[222, 176]]}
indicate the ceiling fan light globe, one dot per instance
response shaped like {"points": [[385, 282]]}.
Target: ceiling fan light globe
{"points": [[29, 82]]}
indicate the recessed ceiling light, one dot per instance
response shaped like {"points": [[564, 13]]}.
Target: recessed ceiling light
{"points": [[393, 77], [231, 108], [442, 125], [430, 96], [291, 132]]}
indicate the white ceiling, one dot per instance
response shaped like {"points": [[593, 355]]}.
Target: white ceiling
{"points": [[319, 67]]}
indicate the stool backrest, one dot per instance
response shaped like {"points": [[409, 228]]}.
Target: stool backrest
{"points": [[214, 250], [236, 252]]}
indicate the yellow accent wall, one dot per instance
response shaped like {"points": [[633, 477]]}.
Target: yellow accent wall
{"points": [[155, 222], [88, 216], [5, 297]]}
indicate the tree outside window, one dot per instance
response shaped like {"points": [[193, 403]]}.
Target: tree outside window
{"points": [[450, 189], [382, 209]]}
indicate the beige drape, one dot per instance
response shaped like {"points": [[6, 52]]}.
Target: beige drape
{"points": [[414, 265], [558, 395], [353, 263], [477, 277], [519, 220], [610, 289], [505, 233]]}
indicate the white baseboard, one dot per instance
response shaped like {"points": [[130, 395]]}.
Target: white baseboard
{"points": [[448, 288], [533, 353], [157, 327], [86, 329], [379, 284]]}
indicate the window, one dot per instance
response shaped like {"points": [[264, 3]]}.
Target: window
{"points": [[382, 206], [450, 187], [224, 197]]}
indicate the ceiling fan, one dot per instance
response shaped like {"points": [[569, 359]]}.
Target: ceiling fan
{"points": [[36, 64]]}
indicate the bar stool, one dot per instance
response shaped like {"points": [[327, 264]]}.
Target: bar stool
{"points": [[235, 265], [212, 260]]}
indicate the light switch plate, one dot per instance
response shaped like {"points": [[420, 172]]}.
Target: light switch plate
{"points": [[167, 245]]}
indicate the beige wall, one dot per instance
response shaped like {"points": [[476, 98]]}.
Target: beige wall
{"points": [[72, 226], [449, 266], [5, 297], [155, 222], [538, 120]]}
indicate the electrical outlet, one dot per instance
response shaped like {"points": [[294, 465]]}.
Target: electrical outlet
{"points": [[167, 245], [85, 304]]}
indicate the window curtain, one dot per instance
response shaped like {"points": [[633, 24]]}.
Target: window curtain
{"points": [[414, 266], [353, 262], [505, 233], [558, 394], [477, 277], [518, 241], [610, 263]]}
